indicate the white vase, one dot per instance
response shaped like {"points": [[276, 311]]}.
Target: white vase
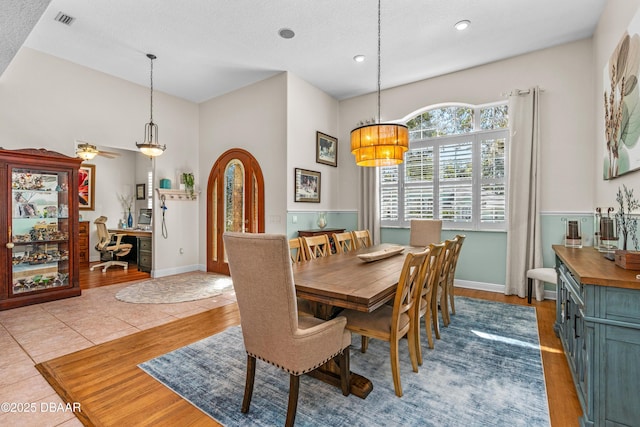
{"points": [[322, 220]]}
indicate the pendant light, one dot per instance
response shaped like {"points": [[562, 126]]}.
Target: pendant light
{"points": [[379, 144], [150, 147]]}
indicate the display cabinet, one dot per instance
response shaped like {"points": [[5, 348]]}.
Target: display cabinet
{"points": [[39, 227]]}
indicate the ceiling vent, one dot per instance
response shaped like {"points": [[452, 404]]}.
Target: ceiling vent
{"points": [[64, 18]]}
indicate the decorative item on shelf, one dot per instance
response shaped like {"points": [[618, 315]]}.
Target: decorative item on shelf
{"points": [[165, 183], [629, 260], [605, 236], [572, 233], [379, 144], [189, 183], [322, 220], [627, 223], [127, 203], [150, 147]]}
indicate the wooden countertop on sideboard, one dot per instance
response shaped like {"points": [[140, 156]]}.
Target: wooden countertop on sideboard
{"points": [[590, 267]]}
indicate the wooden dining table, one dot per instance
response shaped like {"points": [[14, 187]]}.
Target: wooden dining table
{"points": [[347, 281]]}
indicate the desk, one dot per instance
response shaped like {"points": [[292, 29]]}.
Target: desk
{"points": [[142, 251], [344, 280]]}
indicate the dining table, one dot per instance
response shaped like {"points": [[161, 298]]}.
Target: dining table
{"points": [[362, 280]]}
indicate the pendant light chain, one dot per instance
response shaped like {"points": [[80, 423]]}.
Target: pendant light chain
{"points": [[379, 86], [152, 57]]}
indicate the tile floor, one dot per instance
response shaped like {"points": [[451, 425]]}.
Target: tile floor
{"points": [[36, 333]]}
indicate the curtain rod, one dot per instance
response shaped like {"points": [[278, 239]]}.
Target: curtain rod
{"points": [[517, 92]]}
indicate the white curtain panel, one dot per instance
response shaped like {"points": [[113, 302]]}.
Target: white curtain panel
{"points": [[369, 207], [524, 249]]}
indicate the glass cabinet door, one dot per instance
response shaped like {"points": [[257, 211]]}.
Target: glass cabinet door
{"points": [[39, 229]]}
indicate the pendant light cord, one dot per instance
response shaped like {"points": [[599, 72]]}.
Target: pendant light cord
{"points": [[379, 25], [151, 57]]}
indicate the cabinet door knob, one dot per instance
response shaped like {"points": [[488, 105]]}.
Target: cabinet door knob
{"points": [[9, 245]]}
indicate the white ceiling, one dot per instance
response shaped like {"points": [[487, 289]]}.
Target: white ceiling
{"points": [[206, 48]]}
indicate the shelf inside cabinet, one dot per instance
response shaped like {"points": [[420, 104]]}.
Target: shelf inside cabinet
{"points": [[181, 195]]}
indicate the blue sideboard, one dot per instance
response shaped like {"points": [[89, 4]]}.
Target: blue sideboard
{"points": [[598, 322]]}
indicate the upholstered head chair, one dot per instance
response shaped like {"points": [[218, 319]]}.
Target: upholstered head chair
{"points": [[260, 267], [425, 231], [111, 244]]}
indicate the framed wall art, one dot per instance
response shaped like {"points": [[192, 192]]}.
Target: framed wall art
{"points": [[326, 149], [307, 186], [140, 193], [86, 187]]}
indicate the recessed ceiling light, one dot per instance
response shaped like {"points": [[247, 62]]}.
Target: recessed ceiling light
{"points": [[462, 25], [358, 58], [286, 33]]}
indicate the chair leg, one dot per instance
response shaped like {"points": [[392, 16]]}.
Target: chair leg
{"points": [[434, 315], [248, 387], [395, 367], [417, 344], [451, 299], [411, 341], [444, 305], [345, 373], [529, 290], [294, 386]]}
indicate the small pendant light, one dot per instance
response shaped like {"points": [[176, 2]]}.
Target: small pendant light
{"points": [[150, 147]]}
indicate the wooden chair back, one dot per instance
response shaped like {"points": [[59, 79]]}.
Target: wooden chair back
{"points": [[425, 295], [317, 246], [362, 238], [344, 242], [297, 251]]}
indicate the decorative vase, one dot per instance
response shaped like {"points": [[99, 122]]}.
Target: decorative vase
{"points": [[322, 220], [130, 220]]}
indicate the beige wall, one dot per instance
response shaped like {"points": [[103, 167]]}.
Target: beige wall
{"points": [[565, 74]]}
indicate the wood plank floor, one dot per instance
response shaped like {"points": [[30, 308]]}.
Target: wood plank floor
{"points": [[112, 390]]}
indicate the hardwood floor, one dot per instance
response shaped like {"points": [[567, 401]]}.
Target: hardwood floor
{"points": [[112, 390], [113, 275]]}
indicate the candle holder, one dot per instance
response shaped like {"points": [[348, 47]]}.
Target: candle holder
{"points": [[572, 233], [606, 231]]}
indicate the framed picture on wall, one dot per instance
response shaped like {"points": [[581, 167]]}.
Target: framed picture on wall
{"points": [[326, 149], [307, 186], [140, 193], [86, 187]]}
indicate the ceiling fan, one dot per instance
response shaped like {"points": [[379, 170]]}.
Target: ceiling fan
{"points": [[87, 151]]}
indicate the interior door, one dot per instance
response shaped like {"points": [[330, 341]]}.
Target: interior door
{"points": [[235, 202]]}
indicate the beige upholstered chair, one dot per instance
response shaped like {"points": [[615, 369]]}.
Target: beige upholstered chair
{"points": [[425, 231], [448, 298], [110, 244], [260, 267], [317, 246], [362, 238], [296, 247], [392, 323], [344, 242], [424, 294]]}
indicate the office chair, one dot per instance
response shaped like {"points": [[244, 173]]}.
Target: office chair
{"points": [[110, 244]]}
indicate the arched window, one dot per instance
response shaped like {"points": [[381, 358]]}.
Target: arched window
{"points": [[455, 169]]}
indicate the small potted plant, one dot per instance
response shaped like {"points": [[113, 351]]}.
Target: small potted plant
{"points": [[189, 182]]}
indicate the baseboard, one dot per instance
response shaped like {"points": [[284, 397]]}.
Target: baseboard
{"points": [[177, 270], [492, 287]]}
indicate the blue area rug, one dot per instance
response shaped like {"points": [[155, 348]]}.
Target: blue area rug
{"points": [[485, 371]]}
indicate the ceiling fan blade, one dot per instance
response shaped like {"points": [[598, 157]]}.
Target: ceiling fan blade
{"points": [[108, 155]]}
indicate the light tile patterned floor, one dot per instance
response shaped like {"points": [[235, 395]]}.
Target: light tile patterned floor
{"points": [[36, 333]]}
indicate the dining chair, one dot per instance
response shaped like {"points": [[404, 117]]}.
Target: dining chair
{"points": [[317, 246], [424, 294], [450, 289], [344, 242], [439, 296], [262, 276], [392, 323], [362, 238], [424, 232], [297, 251]]}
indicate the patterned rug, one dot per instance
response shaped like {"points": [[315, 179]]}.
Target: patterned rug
{"points": [[177, 288], [485, 371]]}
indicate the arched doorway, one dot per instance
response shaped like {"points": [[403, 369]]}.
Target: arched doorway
{"points": [[235, 202]]}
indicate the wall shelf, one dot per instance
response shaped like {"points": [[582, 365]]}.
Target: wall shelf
{"points": [[178, 195]]}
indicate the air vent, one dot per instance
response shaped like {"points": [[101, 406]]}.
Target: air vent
{"points": [[64, 18]]}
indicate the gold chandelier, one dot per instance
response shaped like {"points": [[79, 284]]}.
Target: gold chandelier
{"points": [[150, 147], [379, 144]]}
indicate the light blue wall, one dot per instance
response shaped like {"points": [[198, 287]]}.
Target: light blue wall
{"points": [[306, 220]]}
